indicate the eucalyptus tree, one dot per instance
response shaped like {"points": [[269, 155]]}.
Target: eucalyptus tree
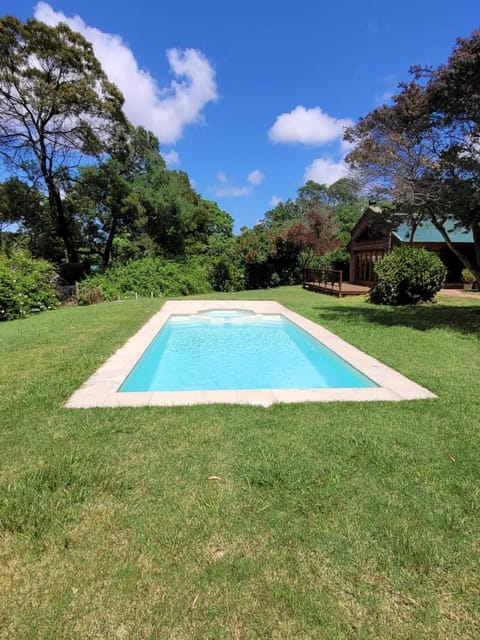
{"points": [[57, 107]]}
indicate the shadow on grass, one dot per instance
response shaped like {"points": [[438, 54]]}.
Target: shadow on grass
{"points": [[463, 319]]}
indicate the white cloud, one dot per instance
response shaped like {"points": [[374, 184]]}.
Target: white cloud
{"points": [[171, 158], [274, 200], [325, 171], [255, 177], [164, 110], [231, 191], [307, 126], [228, 189]]}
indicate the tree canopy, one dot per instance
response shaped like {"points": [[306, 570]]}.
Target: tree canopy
{"points": [[56, 107]]}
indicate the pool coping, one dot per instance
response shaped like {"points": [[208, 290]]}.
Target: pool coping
{"points": [[101, 389]]}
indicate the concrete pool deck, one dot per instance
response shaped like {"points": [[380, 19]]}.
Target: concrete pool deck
{"points": [[101, 389]]}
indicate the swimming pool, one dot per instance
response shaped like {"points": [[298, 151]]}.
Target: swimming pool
{"points": [[234, 349], [110, 386]]}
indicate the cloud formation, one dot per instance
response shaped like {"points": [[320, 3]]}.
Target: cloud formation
{"points": [[255, 177], [308, 126], [171, 158], [228, 189], [325, 171], [274, 200], [164, 110]]}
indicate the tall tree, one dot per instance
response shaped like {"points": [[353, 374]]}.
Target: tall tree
{"points": [[56, 107]]}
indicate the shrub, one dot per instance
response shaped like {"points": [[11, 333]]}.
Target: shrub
{"points": [[26, 285], [89, 295], [407, 275], [223, 275], [156, 276], [467, 276]]}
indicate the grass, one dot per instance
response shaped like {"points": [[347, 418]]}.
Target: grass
{"points": [[325, 521]]}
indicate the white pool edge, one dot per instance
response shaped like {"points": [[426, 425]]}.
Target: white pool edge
{"points": [[101, 389]]}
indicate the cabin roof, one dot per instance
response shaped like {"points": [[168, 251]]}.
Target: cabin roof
{"points": [[426, 232]]}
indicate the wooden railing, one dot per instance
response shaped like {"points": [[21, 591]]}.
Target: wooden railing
{"points": [[328, 278]]}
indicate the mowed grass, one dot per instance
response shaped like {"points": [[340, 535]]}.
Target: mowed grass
{"points": [[324, 521]]}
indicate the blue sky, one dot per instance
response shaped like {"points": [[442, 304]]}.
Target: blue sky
{"points": [[251, 98]]}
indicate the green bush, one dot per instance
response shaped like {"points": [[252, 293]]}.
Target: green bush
{"points": [[156, 276], [26, 285], [223, 275], [407, 275]]}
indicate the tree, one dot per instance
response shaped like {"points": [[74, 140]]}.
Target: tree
{"points": [[16, 198], [24, 208], [421, 152], [107, 198], [56, 107], [315, 234], [312, 194], [283, 214]]}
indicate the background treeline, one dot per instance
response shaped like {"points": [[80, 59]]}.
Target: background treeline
{"points": [[143, 230], [88, 188]]}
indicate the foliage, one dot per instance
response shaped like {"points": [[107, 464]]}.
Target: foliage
{"points": [[149, 276], [421, 152], [315, 234], [131, 206], [342, 198], [407, 275], [467, 276], [89, 294], [26, 285], [224, 275], [27, 209], [300, 233], [56, 106]]}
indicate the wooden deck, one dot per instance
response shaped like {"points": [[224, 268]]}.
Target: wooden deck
{"points": [[338, 289], [331, 281]]}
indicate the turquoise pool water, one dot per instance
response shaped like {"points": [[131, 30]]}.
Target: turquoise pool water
{"points": [[221, 350]]}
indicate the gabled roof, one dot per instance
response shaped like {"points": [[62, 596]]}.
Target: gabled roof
{"points": [[426, 232]]}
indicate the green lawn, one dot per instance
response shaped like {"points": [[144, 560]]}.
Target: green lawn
{"points": [[324, 521]]}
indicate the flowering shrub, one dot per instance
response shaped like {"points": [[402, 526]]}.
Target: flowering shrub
{"points": [[26, 285]]}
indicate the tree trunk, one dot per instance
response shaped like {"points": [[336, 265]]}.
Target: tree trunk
{"points": [[61, 223], [55, 201], [107, 252]]}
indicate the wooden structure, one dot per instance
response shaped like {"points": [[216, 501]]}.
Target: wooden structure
{"points": [[331, 281], [372, 237]]}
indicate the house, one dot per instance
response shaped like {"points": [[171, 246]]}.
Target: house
{"points": [[373, 237]]}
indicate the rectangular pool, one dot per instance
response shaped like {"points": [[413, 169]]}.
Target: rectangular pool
{"points": [[238, 352], [233, 350]]}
